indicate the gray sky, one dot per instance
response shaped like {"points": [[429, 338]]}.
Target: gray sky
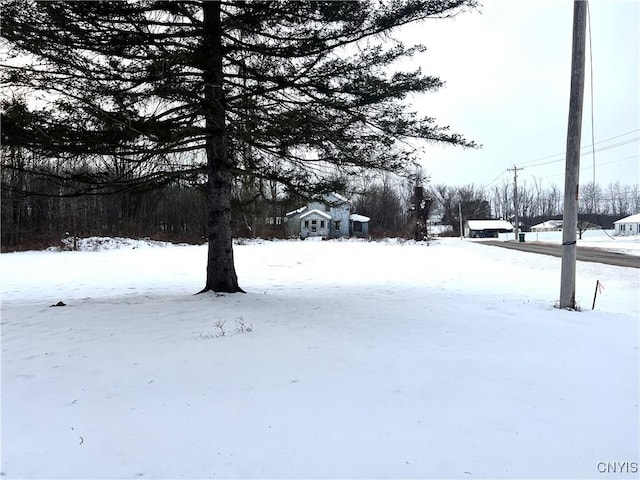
{"points": [[507, 73]]}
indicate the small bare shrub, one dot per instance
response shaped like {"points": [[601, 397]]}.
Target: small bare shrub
{"points": [[242, 326], [220, 326]]}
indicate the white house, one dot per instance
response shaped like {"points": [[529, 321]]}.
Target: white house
{"points": [[329, 218], [628, 226]]}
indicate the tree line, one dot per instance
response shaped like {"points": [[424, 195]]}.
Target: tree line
{"points": [[389, 202], [38, 212], [536, 203], [177, 211]]}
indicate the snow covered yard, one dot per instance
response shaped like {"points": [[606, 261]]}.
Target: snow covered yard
{"points": [[363, 360]]}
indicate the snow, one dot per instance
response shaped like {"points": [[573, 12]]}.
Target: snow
{"points": [[489, 225], [548, 225], [94, 244], [299, 210], [340, 197], [344, 359], [354, 217], [316, 212], [630, 219]]}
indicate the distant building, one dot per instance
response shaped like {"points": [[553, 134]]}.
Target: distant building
{"points": [[548, 226], [486, 228], [628, 226], [329, 218]]}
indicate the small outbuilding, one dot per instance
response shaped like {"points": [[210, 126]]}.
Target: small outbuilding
{"points": [[628, 226], [486, 228], [358, 225]]}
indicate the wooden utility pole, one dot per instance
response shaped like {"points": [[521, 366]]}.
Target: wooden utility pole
{"points": [[515, 198], [572, 165]]}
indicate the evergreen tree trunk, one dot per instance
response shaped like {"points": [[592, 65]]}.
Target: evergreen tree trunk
{"points": [[221, 274]]}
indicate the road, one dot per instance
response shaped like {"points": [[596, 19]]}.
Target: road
{"points": [[584, 254]]}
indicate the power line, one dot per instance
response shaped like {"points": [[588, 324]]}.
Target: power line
{"points": [[618, 160], [606, 147], [587, 146], [592, 151], [582, 168], [599, 164], [495, 179]]}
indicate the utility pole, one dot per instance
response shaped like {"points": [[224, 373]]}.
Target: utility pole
{"points": [[572, 164], [515, 197], [460, 215]]}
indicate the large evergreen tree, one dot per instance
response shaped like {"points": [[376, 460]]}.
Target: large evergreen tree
{"points": [[281, 90]]}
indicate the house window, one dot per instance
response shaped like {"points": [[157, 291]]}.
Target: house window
{"points": [[321, 223], [306, 224], [314, 222], [337, 225]]}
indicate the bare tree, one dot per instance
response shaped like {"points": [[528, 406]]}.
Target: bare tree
{"points": [[502, 198], [617, 197], [382, 203], [591, 198], [634, 192]]}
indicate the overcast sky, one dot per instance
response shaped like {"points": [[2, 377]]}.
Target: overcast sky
{"points": [[507, 73]]}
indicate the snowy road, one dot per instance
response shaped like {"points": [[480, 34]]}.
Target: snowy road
{"points": [[584, 254]]}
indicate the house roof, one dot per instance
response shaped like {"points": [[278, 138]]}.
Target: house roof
{"points": [[489, 225], [293, 212], [330, 198], [630, 219], [358, 218], [548, 224], [339, 197], [317, 212]]}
